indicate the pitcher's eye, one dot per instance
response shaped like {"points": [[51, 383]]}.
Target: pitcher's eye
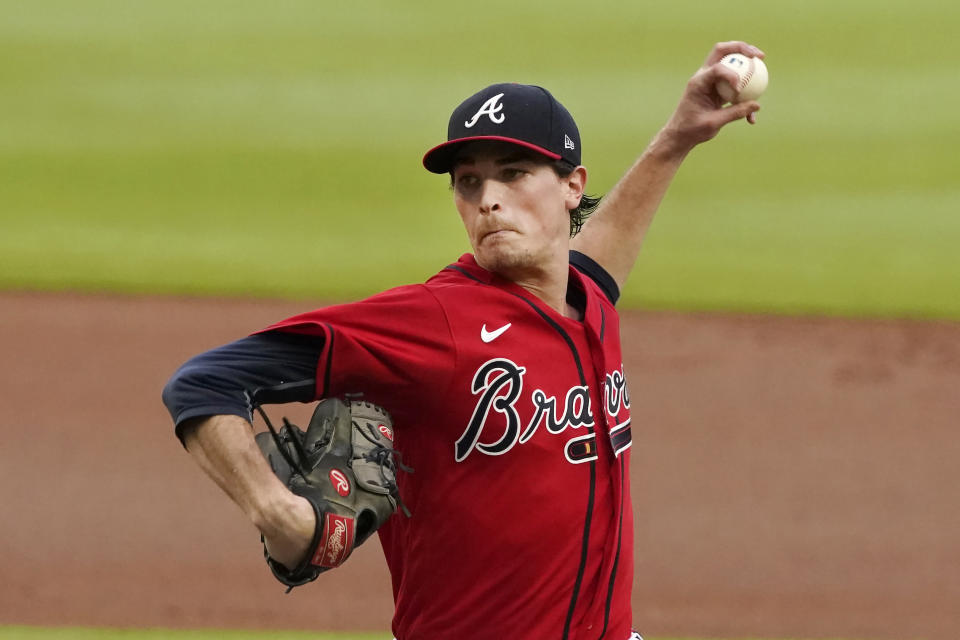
{"points": [[467, 181]]}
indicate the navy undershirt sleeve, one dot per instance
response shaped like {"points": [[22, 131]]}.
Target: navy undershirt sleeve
{"points": [[590, 268], [266, 368]]}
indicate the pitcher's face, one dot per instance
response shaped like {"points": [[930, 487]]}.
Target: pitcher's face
{"points": [[514, 206]]}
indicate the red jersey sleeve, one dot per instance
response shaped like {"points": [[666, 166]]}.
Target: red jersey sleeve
{"points": [[393, 347]]}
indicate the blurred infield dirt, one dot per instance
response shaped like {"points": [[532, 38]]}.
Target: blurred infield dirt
{"points": [[792, 477]]}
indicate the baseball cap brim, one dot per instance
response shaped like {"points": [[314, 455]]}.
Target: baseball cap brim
{"points": [[440, 159]]}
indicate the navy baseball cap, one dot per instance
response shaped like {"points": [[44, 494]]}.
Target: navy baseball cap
{"points": [[522, 114]]}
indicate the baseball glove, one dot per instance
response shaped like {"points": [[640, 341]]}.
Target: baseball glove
{"points": [[344, 465]]}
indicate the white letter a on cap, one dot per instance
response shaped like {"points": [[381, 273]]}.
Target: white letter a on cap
{"points": [[491, 107]]}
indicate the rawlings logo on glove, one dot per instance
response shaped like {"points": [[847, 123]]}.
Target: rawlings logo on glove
{"points": [[344, 465], [338, 542]]}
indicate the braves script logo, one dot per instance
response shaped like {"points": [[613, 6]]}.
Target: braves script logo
{"points": [[616, 396], [499, 384], [340, 482], [615, 392], [492, 108]]}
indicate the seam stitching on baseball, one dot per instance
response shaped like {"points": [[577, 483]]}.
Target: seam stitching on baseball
{"points": [[745, 78]]}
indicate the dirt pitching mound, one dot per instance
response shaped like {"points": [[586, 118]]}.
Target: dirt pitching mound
{"points": [[792, 477]]}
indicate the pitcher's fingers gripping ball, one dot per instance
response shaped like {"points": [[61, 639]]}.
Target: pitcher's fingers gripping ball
{"points": [[344, 466], [753, 78]]}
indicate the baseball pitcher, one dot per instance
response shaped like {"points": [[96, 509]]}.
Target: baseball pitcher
{"points": [[479, 422]]}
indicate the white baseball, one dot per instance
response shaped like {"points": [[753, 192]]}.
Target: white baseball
{"points": [[753, 78]]}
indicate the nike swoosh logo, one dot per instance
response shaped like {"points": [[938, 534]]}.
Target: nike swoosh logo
{"points": [[490, 336]]}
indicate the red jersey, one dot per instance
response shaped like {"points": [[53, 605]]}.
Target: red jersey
{"points": [[516, 421]]}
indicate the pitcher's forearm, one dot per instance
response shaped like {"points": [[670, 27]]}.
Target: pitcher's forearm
{"points": [[224, 448], [614, 234]]}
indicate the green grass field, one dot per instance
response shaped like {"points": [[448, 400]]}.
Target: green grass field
{"points": [[273, 150]]}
